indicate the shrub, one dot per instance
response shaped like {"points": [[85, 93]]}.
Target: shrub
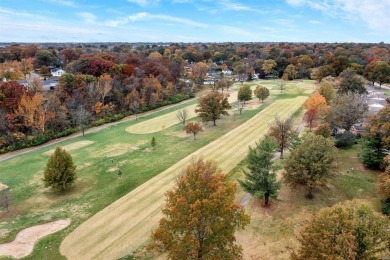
{"points": [[323, 130], [386, 206], [345, 140]]}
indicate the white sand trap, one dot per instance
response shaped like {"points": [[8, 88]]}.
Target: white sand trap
{"points": [[24, 242], [70, 147]]}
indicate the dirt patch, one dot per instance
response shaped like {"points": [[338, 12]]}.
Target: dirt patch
{"points": [[70, 147], [114, 150], [252, 104], [24, 242]]}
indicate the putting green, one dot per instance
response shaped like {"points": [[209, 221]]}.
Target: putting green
{"points": [[126, 224]]}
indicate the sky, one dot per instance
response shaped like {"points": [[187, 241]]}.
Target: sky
{"points": [[195, 21]]}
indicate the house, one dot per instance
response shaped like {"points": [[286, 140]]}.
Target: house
{"points": [[57, 72], [227, 72], [50, 83]]}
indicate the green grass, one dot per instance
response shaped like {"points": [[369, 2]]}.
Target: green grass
{"points": [[273, 231], [97, 187]]}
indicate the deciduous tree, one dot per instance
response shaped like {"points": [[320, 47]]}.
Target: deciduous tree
{"points": [[316, 101], [44, 58], [201, 216], [351, 82], [182, 115], [268, 66], [198, 73], [291, 72], [384, 179], [104, 86], [311, 163], [348, 109], [326, 90], [193, 128], [344, 232], [379, 126], [212, 106], [260, 181], [261, 93], [60, 172], [282, 131], [224, 83], [81, 118], [324, 130], [244, 93]]}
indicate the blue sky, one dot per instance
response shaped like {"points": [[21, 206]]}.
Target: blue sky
{"points": [[195, 20]]}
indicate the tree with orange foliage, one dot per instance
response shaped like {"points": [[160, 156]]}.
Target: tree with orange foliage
{"points": [[104, 86], [316, 101], [313, 106], [152, 90], [198, 73], [201, 216], [193, 128], [11, 70], [32, 111]]}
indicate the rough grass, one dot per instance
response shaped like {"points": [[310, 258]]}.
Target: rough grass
{"points": [[126, 224], [167, 120], [70, 147], [272, 231], [98, 184]]}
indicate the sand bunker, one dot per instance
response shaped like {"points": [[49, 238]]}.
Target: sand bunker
{"points": [[70, 147], [24, 242]]}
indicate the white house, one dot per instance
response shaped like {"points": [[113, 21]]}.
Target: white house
{"points": [[57, 72], [227, 72]]}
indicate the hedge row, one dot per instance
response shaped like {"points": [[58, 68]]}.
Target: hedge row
{"points": [[31, 141]]}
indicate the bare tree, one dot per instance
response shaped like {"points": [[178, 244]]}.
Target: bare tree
{"points": [[81, 118], [239, 105], [182, 115], [282, 131], [281, 86], [348, 109], [4, 196], [134, 107]]}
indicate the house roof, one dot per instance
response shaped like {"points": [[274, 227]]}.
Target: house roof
{"points": [[55, 70]]}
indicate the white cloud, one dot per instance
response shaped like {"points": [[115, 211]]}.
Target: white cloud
{"points": [[234, 6], [146, 16], [88, 17], [63, 2], [19, 13], [315, 22], [375, 13], [144, 2]]}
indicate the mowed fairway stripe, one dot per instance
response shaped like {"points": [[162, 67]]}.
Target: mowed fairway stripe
{"points": [[155, 124], [126, 224]]}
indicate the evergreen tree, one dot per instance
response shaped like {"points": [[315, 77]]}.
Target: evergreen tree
{"points": [[60, 172], [372, 154], [153, 143], [261, 180]]}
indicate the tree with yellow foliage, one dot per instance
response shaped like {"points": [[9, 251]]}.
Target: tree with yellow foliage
{"points": [[201, 216]]}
